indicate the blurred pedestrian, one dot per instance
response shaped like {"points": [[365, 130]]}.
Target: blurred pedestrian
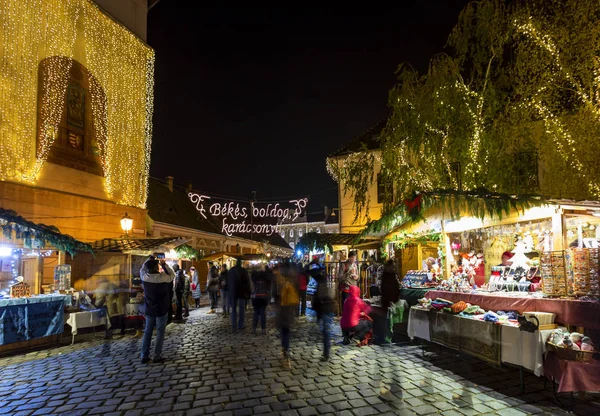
{"points": [[186, 294], [179, 287], [261, 293], [195, 287], [212, 287], [238, 286], [302, 285], [288, 301], [108, 296], [223, 288], [156, 298], [390, 286], [324, 305]]}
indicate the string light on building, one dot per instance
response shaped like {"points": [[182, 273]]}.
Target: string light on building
{"points": [[121, 89]]}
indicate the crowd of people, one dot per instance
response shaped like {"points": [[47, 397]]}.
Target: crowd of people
{"points": [[284, 286]]}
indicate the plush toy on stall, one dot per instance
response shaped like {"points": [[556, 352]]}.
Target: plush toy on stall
{"points": [[586, 344]]}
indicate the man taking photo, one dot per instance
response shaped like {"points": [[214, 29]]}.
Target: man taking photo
{"points": [[156, 296]]}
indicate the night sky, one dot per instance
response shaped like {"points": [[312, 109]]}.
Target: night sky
{"points": [[255, 99]]}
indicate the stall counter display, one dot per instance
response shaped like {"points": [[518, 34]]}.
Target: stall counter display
{"points": [[417, 279]]}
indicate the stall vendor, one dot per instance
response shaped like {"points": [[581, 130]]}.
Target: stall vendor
{"points": [[506, 256]]}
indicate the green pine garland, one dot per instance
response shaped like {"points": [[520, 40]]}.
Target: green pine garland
{"points": [[185, 251], [37, 236], [479, 203]]}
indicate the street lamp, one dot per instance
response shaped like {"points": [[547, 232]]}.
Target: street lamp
{"points": [[126, 223]]}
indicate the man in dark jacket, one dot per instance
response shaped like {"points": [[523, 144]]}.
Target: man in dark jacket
{"points": [[238, 288], [157, 302], [179, 288]]}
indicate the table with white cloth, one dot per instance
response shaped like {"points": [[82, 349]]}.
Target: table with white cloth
{"points": [[87, 319], [521, 348]]}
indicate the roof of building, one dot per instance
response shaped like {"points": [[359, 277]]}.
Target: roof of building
{"points": [[369, 139], [142, 244], [175, 208]]}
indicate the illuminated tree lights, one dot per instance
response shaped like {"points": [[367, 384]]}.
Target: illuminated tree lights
{"points": [[468, 123], [121, 90]]}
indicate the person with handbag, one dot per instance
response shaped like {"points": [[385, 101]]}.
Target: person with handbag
{"points": [[195, 287]]}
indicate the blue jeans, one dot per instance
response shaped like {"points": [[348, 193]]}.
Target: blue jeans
{"points": [[260, 311], [238, 306], [285, 338], [327, 322], [214, 299], [226, 305], [151, 321]]}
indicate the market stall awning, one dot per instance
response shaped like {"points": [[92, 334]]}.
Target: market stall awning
{"points": [[221, 254], [37, 236], [137, 244]]}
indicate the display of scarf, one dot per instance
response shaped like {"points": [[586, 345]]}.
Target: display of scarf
{"points": [[459, 307]]}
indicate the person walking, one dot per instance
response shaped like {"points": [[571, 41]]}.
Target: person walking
{"points": [[238, 286], [157, 302], [179, 287], [323, 304], [288, 301], [261, 294], [195, 287], [223, 287], [186, 294], [302, 285], [212, 287]]}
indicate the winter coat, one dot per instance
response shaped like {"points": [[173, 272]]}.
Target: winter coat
{"points": [[157, 290], [212, 283], [261, 286], [223, 280], [196, 289], [324, 298], [390, 288], [286, 315], [353, 306], [179, 281], [238, 283], [348, 276]]}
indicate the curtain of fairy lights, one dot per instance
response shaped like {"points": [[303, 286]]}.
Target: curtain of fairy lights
{"points": [[122, 97]]}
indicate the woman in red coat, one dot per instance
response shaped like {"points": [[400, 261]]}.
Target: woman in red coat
{"points": [[354, 309]]}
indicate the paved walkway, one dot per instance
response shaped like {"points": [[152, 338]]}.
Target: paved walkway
{"points": [[211, 371]]}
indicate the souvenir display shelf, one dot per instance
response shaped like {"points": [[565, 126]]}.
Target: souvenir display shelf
{"points": [[554, 273]]}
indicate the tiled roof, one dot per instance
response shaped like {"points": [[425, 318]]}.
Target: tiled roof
{"points": [[142, 244], [369, 139]]}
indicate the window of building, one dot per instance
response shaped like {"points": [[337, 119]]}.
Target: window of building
{"points": [[385, 191], [300, 232], [78, 144], [453, 179], [319, 230], [291, 232], [310, 230], [282, 233]]}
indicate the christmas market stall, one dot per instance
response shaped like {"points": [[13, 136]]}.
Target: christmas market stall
{"points": [[108, 284], [33, 281], [504, 278]]}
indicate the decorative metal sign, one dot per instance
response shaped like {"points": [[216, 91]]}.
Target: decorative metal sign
{"points": [[239, 217]]}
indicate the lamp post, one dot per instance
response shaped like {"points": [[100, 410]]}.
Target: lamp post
{"points": [[126, 224]]}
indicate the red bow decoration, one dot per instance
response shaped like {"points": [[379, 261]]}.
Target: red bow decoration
{"points": [[414, 203]]}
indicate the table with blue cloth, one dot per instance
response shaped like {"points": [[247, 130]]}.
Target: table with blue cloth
{"points": [[25, 319]]}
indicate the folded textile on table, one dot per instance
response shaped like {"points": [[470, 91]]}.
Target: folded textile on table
{"points": [[459, 306], [509, 314], [491, 317], [473, 310], [440, 304]]}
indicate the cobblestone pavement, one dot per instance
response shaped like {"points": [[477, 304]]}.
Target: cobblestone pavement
{"points": [[211, 371]]}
